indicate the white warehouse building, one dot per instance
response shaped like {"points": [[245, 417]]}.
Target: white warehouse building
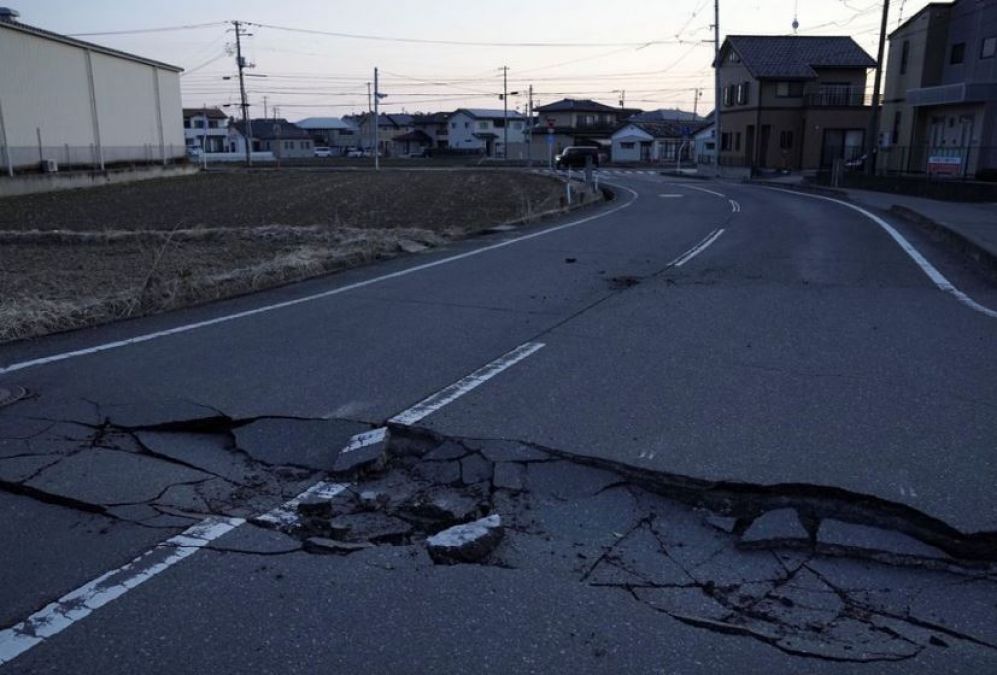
{"points": [[68, 102]]}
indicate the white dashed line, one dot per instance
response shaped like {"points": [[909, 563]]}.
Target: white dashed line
{"points": [[449, 394], [78, 604]]}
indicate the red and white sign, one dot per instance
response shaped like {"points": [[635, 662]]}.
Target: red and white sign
{"points": [[550, 122], [947, 165]]}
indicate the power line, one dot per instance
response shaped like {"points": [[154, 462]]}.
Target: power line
{"points": [[163, 29]]}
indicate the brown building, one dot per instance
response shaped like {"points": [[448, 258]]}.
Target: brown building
{"points": [[792, 102]]}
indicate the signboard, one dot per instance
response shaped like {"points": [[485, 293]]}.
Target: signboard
{"points": [[550, 138], [946, 165]]}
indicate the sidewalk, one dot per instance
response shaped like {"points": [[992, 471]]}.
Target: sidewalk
{"points": [[970, 226]]}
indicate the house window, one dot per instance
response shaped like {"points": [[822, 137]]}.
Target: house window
{"points": [[627, 145], [785, 140], [904, 57], [895, 134], [467, 124], [725, 141], [958, 54], [789, 89], [500, 124], [742, 93], [988, 47], [737, 142], [482, 125], [186, 123]]}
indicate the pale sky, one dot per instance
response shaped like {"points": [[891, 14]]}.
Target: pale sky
{"points": [[311, 74]]}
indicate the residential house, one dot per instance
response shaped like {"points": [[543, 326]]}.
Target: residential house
{"points": [[284, 139], [205, 129], [484, 131], [705, 142], [66, 102], [792, 102], [332, 132], [389, 127], [654, 142], [940, 108], [435, 126], [573, 121]]}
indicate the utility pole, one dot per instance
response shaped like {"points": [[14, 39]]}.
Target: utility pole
{"points": [[696, 93], [265, 115], [873, 133], [505, 112], [241, 62], [529, 128], [377, 119], [623, 99], [717, 129], [370, 112]]}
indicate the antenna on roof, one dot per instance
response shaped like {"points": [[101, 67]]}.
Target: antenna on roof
{"points": [[796, 14]]}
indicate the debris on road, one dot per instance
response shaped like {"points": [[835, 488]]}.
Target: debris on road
{"points": [[467, 543]]}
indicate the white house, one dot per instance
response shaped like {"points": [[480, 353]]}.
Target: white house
{"points": [[653, 142], [205, 129], [64, 102], [706, 145], [481, 130]]}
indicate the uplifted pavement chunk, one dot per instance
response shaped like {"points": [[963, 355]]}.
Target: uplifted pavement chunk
{"points": [[849, 535], [467, 543], [776, 526]]}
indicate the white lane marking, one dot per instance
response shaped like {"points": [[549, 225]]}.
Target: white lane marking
{"points": [[287, 513], [365, 439], [449, 394], [697, 249], [671, 196], [78, 604], [693, 187], [310, 298], [930, 270], [735, 207]]}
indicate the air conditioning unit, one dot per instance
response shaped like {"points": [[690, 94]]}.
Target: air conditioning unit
{"points": [[50, 166]]}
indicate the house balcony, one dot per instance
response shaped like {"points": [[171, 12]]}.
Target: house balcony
{"points": [[836, 98]]}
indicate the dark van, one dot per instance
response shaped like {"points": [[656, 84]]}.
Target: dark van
{"points": [[575, 156]]}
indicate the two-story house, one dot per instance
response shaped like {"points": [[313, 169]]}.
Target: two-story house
{"points": [[792, 102], [331, 132], [436, 127], [940, 109], [575, 121], [484, 131], [284, 139], [389, 127], [205, 128]]}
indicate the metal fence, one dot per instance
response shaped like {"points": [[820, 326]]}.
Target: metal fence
{"points": [[47, 157]]}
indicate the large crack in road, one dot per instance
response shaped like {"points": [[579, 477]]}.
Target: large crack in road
{"points": [[812, 571]]}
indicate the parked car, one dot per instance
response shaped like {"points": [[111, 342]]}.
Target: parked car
{"points": [[357, 152], [575, 156], [321, 151]]}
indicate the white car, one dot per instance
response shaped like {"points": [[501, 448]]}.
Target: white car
{"points": [[356, 152], [323, 152]]}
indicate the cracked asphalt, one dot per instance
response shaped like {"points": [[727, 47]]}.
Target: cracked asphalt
{"points": [[777, 456]]}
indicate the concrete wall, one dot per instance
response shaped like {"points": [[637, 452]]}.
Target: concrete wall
{"points": [[45, 90], [51, 182]]}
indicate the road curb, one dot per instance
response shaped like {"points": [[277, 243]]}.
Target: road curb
{"points": [[962, 243]]}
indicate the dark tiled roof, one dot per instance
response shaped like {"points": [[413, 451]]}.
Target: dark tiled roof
{"points": [[672, 129], [266, 129], [213, 113], [796, 56], [430, 118], [576, 105]]}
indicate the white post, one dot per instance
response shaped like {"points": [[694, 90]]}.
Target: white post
{"points": [[159, 115], [6, 148], [93, 112]]}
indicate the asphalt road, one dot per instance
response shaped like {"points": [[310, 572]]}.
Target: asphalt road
{"points": [[708, 330]]}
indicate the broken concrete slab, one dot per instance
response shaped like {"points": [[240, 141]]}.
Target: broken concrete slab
{"points": [[722, 523], [778, 526], [508, 451], [369, 526], [509, 476], [439, 473], [475, 469], [446, 450], [442, 505], [334, 546], [315, 444], [467, 543], [211, 453], [18, 469], [108, 477], [834, 532], [409, 246], [568, 480]]}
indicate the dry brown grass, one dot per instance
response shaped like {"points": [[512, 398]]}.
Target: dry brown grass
{"points": [[56, 278]]}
